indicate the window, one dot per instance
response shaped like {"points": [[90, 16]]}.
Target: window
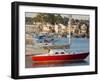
{"points": [[62, 53], [56, 53]]}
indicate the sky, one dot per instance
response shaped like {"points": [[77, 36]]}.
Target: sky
{"points": [[75, 16]]}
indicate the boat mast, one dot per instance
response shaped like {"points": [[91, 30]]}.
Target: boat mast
{"points": [[69, 25]]}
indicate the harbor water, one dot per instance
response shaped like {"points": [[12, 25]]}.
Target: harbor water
{"points": [[81, 44]]}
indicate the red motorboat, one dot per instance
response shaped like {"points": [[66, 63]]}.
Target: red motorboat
{"points": [[61, 55]]}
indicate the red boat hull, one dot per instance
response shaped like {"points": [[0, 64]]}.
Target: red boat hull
{"points": [[61, 57]]}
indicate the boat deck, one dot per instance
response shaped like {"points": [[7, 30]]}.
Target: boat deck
{"points": [[56, 47]]}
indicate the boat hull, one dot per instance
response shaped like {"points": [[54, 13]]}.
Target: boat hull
{"points": [[60, 57]]}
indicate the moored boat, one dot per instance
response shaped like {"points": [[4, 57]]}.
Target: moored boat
{"points": [[61, 55]]}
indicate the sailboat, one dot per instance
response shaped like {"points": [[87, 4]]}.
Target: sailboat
{"points": [[61, 53]]}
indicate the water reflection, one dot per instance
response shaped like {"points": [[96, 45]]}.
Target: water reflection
{"points": [[59, 63]]}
